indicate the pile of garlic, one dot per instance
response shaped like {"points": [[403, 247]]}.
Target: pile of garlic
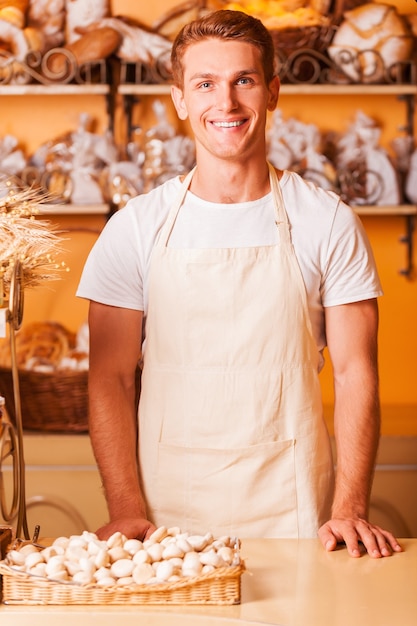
{"points": [[167, 556]]}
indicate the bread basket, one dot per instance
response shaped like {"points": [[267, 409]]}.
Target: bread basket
{"points": [[50, 401], [52, 397]]}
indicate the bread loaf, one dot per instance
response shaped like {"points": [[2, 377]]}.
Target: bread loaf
{"points": [[91, 46]]}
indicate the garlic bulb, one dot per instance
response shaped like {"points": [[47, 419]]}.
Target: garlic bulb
{"points": [[167, 556]]}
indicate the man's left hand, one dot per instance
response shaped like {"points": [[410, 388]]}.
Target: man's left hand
{"points": [[354, 532]]}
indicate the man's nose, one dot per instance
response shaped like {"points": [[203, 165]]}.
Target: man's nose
{"points": [[226, 98]]}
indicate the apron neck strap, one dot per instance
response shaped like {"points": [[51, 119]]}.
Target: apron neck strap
{"points": [[281, 217], [172, 216]]}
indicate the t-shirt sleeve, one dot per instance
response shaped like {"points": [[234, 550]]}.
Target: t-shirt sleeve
{"points": [[112, 273], [350, 272]]}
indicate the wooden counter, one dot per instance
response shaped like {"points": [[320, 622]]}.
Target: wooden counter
{"points": [[288, 583]]}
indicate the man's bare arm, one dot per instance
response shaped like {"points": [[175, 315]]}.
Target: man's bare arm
{"points": [[352, 340], [115, 347]]}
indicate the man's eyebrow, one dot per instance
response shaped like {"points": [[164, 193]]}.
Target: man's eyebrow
{"points": [[248, 72], [199, 75], [210, 75]]}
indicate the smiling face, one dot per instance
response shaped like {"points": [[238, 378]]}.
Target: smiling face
{"points": [[226, 99]]}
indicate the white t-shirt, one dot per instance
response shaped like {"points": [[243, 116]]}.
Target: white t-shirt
{"points": [[331, 246]]}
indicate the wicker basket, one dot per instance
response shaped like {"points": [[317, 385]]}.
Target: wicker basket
{"points": [[6, 533], [301, 52], [289, 40], [222, 586], [56, 401]]}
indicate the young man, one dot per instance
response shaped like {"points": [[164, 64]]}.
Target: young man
{"points": [[228, 285]]}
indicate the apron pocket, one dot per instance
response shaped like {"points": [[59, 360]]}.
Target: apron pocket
{"points": [[247, 492]]}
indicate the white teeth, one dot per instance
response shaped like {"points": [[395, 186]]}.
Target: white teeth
{"points": [[228, 124]]}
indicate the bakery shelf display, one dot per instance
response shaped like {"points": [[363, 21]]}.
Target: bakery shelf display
{"points": [[343, 48], [347, 48]]}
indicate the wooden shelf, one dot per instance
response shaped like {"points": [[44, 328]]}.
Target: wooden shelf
{"points": [[380, 211], [54, 90], [144, 90], [348, 90], [74, 209]]}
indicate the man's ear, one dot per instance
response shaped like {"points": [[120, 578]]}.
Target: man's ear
{"points": [[178, 100], [274, 86]]}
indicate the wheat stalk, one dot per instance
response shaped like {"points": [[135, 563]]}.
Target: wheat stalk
{"points": [[23, 237]]}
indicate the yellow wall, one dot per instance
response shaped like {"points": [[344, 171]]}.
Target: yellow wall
{"points": [[37, 119]]}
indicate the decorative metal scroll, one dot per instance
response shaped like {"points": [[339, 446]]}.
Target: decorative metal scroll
{"points": [[42, 69], [357, 187], [54, 181], [144, 74], [314, 67], [301, 66]]}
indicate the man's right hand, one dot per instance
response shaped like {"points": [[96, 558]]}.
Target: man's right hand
{"points": [[132, 528]]}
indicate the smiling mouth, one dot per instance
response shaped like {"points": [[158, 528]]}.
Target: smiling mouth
{"points": [[233, 124]]}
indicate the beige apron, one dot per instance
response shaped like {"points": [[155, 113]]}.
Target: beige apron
{"points": [[231, 434]]}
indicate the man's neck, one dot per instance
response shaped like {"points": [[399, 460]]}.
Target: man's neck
{"points": [[230, 183]]}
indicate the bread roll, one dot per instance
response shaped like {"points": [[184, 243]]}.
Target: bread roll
{"points": [[375, 37]]}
